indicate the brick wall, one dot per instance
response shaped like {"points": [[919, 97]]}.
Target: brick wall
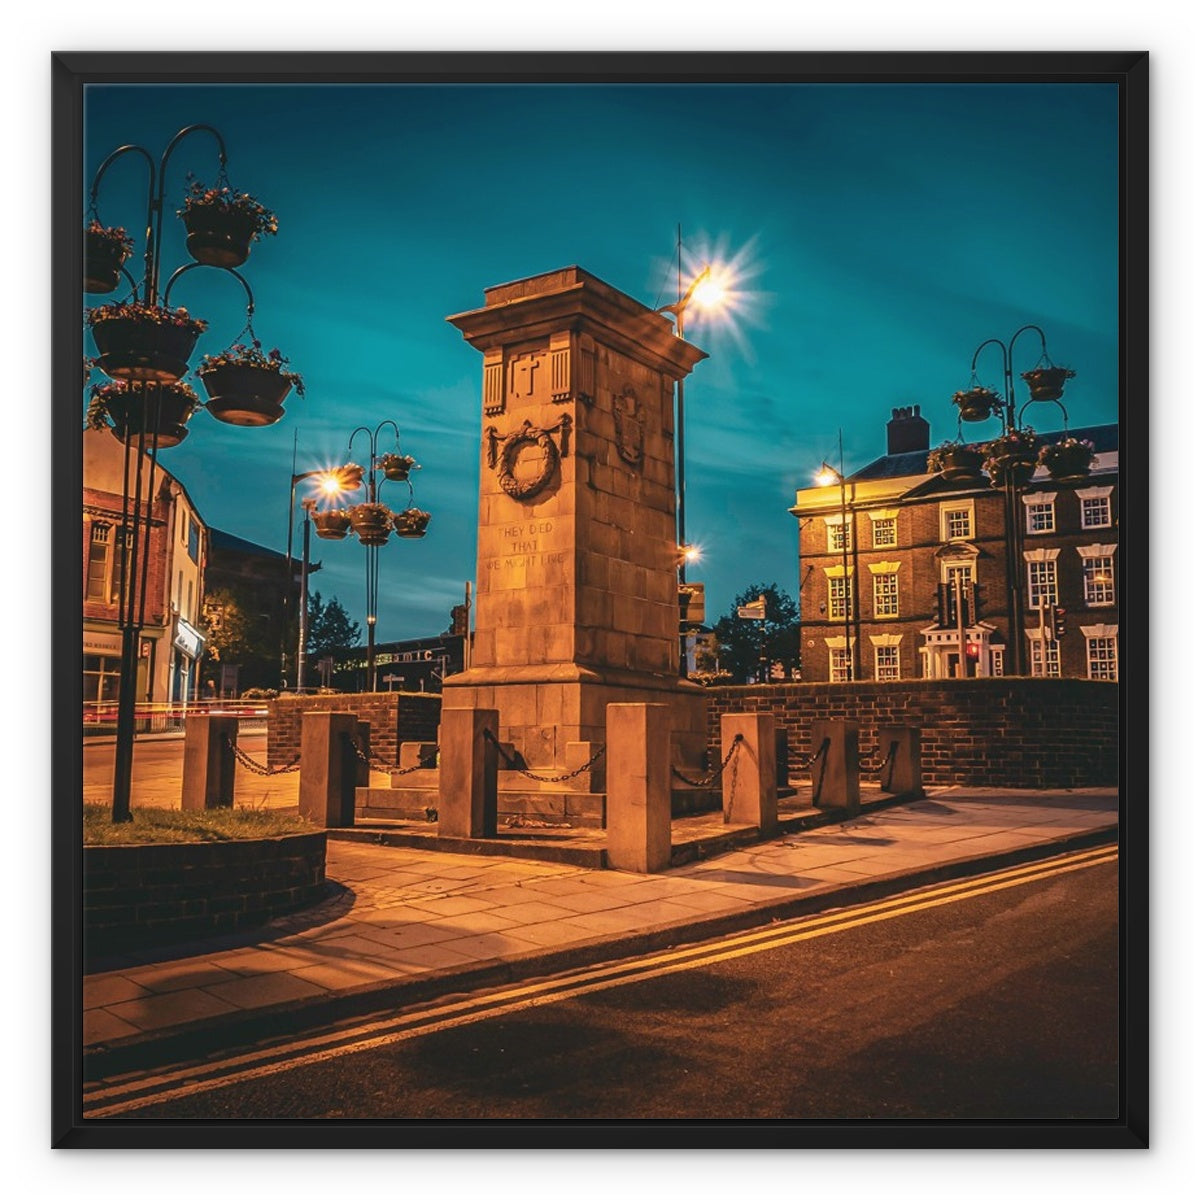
{"points": [[144, 895], [394, 717], [1005, 732]]}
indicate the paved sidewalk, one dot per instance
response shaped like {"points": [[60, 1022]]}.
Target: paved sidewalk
{"points": [[409, 924]]}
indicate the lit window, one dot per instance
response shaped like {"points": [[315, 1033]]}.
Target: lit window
{"points": [[1039, 518], [887, 594], [1043, 583], [1098, 580], [1095, 507], [840, 604], [1102, 658], [835, 534], [1044, 658], [883, 532], [958, 521], [887, 662], [839, 665]]}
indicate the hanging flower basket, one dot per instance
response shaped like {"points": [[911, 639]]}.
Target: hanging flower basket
{"points": [[222, 224], [1046, 383], [104, 253], [349, 475], [1012, 459], [396, 466], [956, 461], [332, 525], [977, 403], [411, 523], [162, 410], [246, 386], [1068, 458], [144, 342], [371, 522]]}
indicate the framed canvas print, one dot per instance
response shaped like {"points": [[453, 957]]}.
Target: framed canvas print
{"points": [[600, 600]]}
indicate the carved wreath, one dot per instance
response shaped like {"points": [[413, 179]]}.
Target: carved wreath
{"points": [[503, 452]]}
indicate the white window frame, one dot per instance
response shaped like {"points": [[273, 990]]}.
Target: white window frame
{"points": [[880, 573], [886, 645], [1095, 493], [885, 518], [1042, 563], [1093, 635], [1045, 656], [837, 528], [1039, 502], [1104, 556], [951, 509], [833, 603], [997, 660], [839, 659]]}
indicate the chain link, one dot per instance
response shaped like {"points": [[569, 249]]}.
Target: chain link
{"points": [[258, 768], [511, 763], [377, 764], [714, 775], [871, 768]]}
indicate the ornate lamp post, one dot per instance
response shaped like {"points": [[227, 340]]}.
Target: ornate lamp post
{"points": [[1012, 469], [144, 346], [372, 521]]}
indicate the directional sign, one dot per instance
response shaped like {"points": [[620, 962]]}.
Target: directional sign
{"points": [[756, 611]]}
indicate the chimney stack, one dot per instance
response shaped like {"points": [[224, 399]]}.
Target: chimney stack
{"points": [[907, 431]]}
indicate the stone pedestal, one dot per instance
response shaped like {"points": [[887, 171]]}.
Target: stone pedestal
{"points": [[902, 775], [835, 774], [208, 762], [329, 768], [467, 775], [638, 818], [576, 582], [750, 783]]}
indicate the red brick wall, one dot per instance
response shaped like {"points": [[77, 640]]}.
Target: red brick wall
{"points": [[394, 717], [1005, 732]]}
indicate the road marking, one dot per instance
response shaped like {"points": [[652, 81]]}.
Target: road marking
{"points": [[114, 1098]]}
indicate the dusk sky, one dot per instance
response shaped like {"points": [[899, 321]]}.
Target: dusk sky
{"points": [[880, 233]]}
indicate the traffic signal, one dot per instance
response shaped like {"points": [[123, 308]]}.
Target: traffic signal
{"points": [[1060, 622], [972, 649]]}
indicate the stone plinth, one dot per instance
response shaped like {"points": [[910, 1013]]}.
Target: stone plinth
{"points": [[576, 583], [208, 762], [750, 783], [639, 788], [835, 773]]}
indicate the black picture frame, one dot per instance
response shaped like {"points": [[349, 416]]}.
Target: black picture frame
{"points": [[72, 72]]}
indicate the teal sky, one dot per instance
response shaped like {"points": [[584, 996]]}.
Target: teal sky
{"points": [[882, 232]]}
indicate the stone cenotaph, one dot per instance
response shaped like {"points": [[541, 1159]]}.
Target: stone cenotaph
{"points": [[577, 574]]}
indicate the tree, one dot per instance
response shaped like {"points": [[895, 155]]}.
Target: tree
{"points": [[238, 633], [329, 627], [748, 647]]}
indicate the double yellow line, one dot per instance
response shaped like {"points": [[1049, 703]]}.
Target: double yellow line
{"points": [[113, 1099]]}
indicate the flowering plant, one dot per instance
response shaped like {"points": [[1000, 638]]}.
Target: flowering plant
{"points": [[1016, 444], [397, 462], [121, 241], [242, 355], [1047, 375], [107, 396], [1067, 448], [978, 398], [939, 455], [369, 513], [262, 220], [150, 314]]}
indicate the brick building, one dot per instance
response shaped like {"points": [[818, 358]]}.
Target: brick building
{"points": [[171, 642], [919, 584]]}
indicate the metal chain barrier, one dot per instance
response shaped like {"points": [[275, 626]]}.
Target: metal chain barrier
{"points": [[512, 764], [256, 767], [822, 753], [713, 775], [872, 768], [384, 768]]}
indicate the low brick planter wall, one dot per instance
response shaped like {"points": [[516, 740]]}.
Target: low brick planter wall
{"points": [[150, 894], [1004, 732], [394, 717]]}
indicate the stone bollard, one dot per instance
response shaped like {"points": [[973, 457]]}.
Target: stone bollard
{"points": [[638, 806], [901, 775], [208, 762], [467, 773], [835, 773], [328, 768], [750, 783]]}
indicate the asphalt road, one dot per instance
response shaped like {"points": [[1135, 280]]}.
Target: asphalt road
{"points": [[995, 998]]}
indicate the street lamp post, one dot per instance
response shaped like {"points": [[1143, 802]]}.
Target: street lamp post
{"points": [[1009, 481], [827, 476], [145, 379]]}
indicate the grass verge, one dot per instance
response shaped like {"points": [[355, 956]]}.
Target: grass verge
{"points": [[172, 825]]}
